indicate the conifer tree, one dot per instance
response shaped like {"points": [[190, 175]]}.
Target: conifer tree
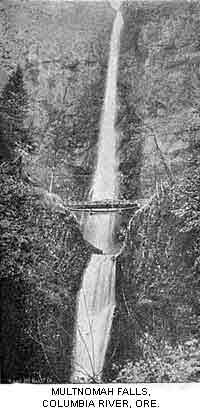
{"points": [[14, 135]]}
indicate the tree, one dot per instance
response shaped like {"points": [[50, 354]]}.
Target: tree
{"points": [[14, 134]]}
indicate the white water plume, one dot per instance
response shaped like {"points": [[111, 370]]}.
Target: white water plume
{"points": [[105, 179], [95, 311], [96, 300]]}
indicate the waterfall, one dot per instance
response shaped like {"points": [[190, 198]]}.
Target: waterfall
{"points": [[95, 312], [105, 179], [96, 299]]}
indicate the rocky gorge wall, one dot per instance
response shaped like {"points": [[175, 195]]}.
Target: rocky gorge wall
{"points": [[63, 52]]}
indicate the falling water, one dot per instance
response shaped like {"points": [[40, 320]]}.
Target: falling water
{"points": [[96, 301]]}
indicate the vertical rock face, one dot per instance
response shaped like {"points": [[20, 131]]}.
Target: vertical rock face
{"points": [[160, 74]]}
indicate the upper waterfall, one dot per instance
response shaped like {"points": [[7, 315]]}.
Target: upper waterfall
{"points": [[105, 178]]}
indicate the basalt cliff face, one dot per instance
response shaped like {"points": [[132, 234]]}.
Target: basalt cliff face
{"points": [[63, 50], [160, 56]]}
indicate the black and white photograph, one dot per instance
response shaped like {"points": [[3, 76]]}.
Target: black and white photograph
{"points": [[100, 191]]}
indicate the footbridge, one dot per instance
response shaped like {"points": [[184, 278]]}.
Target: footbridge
{"points": [[105, 206]]}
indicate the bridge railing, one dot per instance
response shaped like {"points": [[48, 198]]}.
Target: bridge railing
{"points": [[103, 206]]}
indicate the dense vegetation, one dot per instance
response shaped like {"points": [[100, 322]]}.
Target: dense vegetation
{"points": [[159, 306], [50, 115]]}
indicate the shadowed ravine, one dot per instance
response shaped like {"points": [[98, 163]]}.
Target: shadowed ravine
{"points": [[96, 300]]}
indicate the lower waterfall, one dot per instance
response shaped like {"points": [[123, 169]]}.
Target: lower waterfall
{"points": [[96, 305]]}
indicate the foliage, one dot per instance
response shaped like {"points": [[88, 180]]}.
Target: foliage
{"points": [[163, 363], [158, 297]]}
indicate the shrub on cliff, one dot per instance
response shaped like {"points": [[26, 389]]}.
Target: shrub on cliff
{"points": [[163, 363]]}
